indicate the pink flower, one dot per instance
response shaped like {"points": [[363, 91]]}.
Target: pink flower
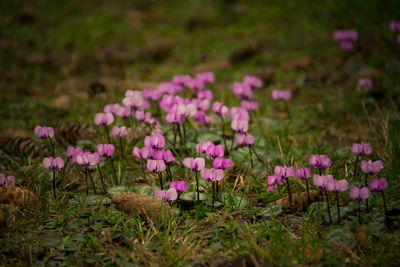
{"points": [[72, 152], [240, 126], [144, 153], [181, 79], [221, 163], [395, 26], [345, 35], [346, 46], [321, 181], [242, 90], [135, 100], [6, 180], [244, 139], [240, 113], [273, 180], [123, 112], [196, 164], [220, 109], [118, 131], [250, 105], [201, 118], [86, 159], [165, 155], [154, 141], [365, 83], [103, 119], [53, 163], [169, 195], [282, 95], [337, 186], [215, 151], [252, 81], [284, 172], [359, 194], [370, 167], [205, 77], [152, 94], [201, 147], [180, 186], [156, 165], [44, 132], [362, 149], [320, 161], [195, 84], [202, 104], [105, 150], [378, 185], [112, 108], [170, 88], [204, 94], [212, 175], [303, 173], [271, 187]]}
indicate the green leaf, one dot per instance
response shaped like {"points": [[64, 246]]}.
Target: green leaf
{"points": [[118, 190], [271, 210], [146, 189], [233, 200], [192, 196], [46, 243]]}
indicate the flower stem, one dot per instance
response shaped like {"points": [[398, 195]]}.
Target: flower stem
{"points": [[101, 178], [359, 212], [233, 137], [355, 167], [384, 202], [91, 180], [180, 134], [184, 132], [160, 179], [338, 208], [86, 182], [223, 131], [290, 194], [114, 173], [144, 172], [54, 185], [287, 110], [308, 193], [329, 209], [122, 148], [169, 173], [366, 184], [213, 200], [251, 158], [197, 187], [52, 148], [175, 130], [258, 157], [108, 135]]}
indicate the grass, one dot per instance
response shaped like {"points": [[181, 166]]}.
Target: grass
{"points": [[53, 48]]}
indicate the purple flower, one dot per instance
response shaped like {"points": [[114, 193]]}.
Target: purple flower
{"points": [[395, 26], [362, 149], [252, 81], [282, 95], [105, 150], [212, 175], [320, 161], [346, 45], [204, 94], [345, 35], [205, 77], [250, 105], [196, 164], [103, 119], [71, 152], [53, 163], [215, 151], [271, 187], [170, 88], [152, 94], [44, 132], [321, 181], [240, 126], [169, 195], [370, 167], [201, 147], [86, 159], [244, 139], [242, 91], [6, 180], [273, 181], [156, 165], [123, 112], [201, 117], [359, 194], [220, 109], [181, 79], [365, 83], [112, 108], [240, 113], [135, 100], [144, 153], [180, 186], [284, 172], [154, 141], [165, 155], [378, 185], [303, 173], [337, 186], [221, 163], [118, 131]]}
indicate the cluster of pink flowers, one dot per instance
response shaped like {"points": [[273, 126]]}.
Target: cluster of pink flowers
{"points": [[345, 38], [6, 180]]}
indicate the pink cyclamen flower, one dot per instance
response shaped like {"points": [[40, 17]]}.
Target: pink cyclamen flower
{"points": [[196, 164], [44, 132], [282, 95], [240, 113], [71, 152], [204, 94], [337, 186], [165, 155], [6, 180], [212, 175], [156, 165], [221, 163], [169, 195], [215, 151], [252, 81], [240, 126], [112, 108], [365, 83], [201, 147], [370, 167], [180, 186], [181, 79], [86, 159], [320, 161], [105, 150], [250, 105], [220, 109], [273, 181], [118, 131], [154, 141], [303, 173], [321, 181], [201, 118], [362, 149], [103, 119], [53, 163], [345, 35], [244, 139], [242, 91], [284, 172], [205, 77], [346, 45], [144, 153], [152, 94], [123, 112], [378, 185], [359, 194], [395, 26]]}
